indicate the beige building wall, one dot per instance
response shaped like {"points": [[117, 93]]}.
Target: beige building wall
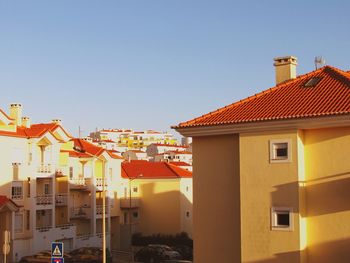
{"points": [[216, 191], [327, 165], [264, 185], [160, 206]]}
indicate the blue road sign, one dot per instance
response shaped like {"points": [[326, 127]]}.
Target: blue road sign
{"points": [[57, 250], [57, 260]]}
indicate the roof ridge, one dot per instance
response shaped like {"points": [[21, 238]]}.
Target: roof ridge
{"points": [[342, 74], [171, 169], [255, 96]]}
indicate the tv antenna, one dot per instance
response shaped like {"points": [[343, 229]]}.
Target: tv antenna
{"points": [[319, 62]]}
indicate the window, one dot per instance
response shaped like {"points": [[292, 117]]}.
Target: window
{"points": [[280, 151], [282, 218], [135, 214], [188, 214], [46, 189], [312, 82], [28, 219], [17, 190], [28, 186], [135, 189], [71, 172], [18, 222]]}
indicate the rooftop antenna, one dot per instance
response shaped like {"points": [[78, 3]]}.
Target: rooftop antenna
{"points": [[80, 131], [319, 62]]}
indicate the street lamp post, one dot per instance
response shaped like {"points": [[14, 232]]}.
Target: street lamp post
{"points": [[103, 202]]}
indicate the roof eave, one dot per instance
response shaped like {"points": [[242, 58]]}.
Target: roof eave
{"points": [[330, 121]]}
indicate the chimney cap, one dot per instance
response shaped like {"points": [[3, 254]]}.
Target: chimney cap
{"points": [[15, 105], [56, 121], [285, 60]]}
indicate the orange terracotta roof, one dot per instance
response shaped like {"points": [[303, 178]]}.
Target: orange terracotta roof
{"points": [[288, 100], [153, 170], [180, 152], [169, 145], [4, 200], [113, 155], [8, 117], [180, 163], [76, 154], [34, 131], [92, 149]]}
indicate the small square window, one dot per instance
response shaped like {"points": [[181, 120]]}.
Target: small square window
{"points": [[135, 214], [135, 189], [282, 218], [280, 151]]}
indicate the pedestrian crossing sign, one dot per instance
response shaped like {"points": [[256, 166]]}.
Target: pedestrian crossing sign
{"points": [[57, 250]]}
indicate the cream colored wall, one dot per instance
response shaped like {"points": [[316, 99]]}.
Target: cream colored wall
{"points": [[160, 206], [186, 203], [327, 165], [216, 211], [265, 185]]}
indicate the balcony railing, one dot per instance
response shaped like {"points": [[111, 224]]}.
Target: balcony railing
{"points": [[99, 209], [80, 212], [99, 184], [78, 183], [44, 199], [61, 199], [44, 168]]}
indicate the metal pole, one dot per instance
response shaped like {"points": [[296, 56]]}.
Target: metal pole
{"points": [[103, 212], [130, 226]]}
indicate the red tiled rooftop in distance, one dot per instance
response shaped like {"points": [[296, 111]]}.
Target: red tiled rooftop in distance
{"points": [[169, 145], [180, 163], [92, 149], [3, 200], [153, 170], [35, 130], [288, 100]]}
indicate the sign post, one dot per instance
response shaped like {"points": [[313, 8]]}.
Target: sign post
{"points": [[6, 245], [57, 252]]}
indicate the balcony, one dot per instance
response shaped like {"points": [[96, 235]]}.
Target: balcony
{"points": [[99, 184], [81, 212], [61, 199], [99, 210], [44, 170], [79, 184], [44, 199], [127, 203]]}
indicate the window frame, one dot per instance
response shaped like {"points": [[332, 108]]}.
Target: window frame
{"points": [[274, 213], [273, 157], [17, 185]]}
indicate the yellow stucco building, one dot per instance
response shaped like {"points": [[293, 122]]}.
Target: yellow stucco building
{"points": [[156, 198], [278, 187]]}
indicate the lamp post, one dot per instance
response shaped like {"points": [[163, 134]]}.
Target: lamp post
{"points": [[103, 202], [130, 217]]}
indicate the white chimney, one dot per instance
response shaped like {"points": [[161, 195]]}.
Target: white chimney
{"points": [[26, 122], [16, 113], [286, 68]]}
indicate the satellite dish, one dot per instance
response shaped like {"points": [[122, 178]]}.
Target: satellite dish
{"points": [[319, 62]]}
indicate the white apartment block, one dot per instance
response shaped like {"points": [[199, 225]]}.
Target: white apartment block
{"points": [[56, 182]]}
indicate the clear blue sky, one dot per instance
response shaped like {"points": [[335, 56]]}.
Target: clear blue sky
{"points": [[149, 64]]}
